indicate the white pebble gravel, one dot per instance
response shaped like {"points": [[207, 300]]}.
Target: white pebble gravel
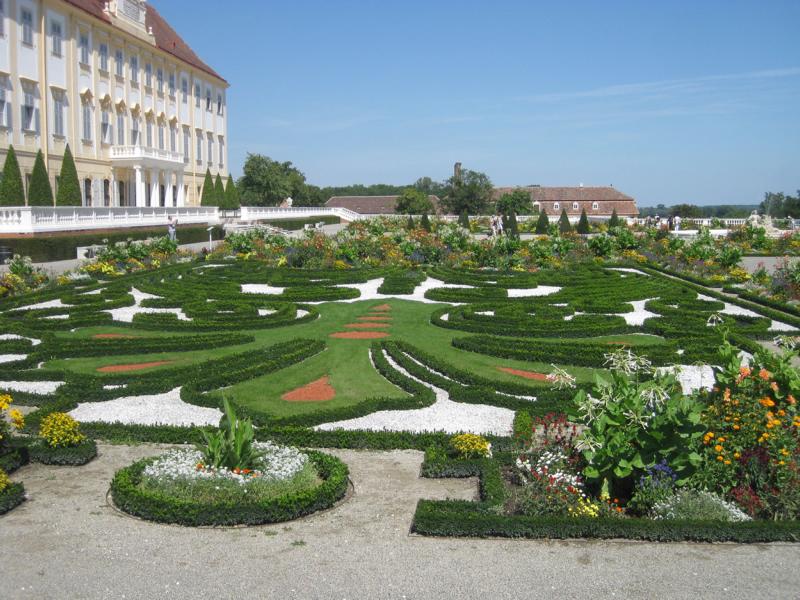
{"points": [[158, 409], [443, 415], [57, 303], [125, 314], [14, 336], [735, 310], [261, 288], [692, 377], [6, 358], [31, 387]]}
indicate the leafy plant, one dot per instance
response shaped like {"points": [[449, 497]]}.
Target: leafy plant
{"points": [[231, 446], [634, 421]]}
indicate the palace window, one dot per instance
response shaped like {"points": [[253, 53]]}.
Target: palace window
{"points": [[210, 148], [185, 89], [208, 100], [173, 139], [221, 152], [87, 122], [595, 206], [4, 107], [119, 59], [57, 37], [134, 69], [148, 75], [2, 18], [172, 85], [83, 48], [186, 136], [160, 80], [105, 127], [28, 112], [87, 192], [135, 139], [58, 113], [26, 18], [104, 57], [219, 104], [149, 131], [199, 137], [574, 206], [160, 136], [197, 95], [121, 128], [556, 206]]}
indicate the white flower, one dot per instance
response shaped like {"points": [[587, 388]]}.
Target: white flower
{"points": [[714, 320], [560, 378], [626, 361]]}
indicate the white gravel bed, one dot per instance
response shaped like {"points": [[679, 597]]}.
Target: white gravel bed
{"points": [[486, 313], [628, 270], [32, 387], [118, 386], [369, 291], [157, 409], [57, 303], [733, 309], [542, 290], [265, 312], [443, 415], [301, 313], [445, 317], [635, 318], [125, 314], [56, 317], [7, 358], [692, 377], [93, 292], [14, 336], [261, 288]]}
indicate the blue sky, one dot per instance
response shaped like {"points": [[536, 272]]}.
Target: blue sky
{"points": [[668, 101]]}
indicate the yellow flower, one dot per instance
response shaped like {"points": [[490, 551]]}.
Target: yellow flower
{"points": [[5, 401], [4, 480], [60, 430], [17, 418]]}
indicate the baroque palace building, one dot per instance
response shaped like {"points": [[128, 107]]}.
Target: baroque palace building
{"points": [[143, 115]]}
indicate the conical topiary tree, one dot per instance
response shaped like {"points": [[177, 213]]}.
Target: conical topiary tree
{"points": [[543, 224], [219, 191], [583, 224], [513, 229], [614, 220], [209, 197], [425, 222], [564, 225], [231, 200], [463, 219], [410, 225], [69, 188], [11, 191], [40, 193]]}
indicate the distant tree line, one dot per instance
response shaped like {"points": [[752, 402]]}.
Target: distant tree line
{"points": [[780, 205]]}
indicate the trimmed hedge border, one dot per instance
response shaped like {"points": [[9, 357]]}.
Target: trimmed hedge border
{"points": [[459, 518], [151, 506], [73, 456], [11, 497], [14, 458]]}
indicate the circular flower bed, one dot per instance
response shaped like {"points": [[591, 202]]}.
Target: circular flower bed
{"points": [[177, 487]]}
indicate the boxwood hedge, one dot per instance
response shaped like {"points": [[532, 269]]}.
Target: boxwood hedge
{"points": [[11, 497], [155, 506]]}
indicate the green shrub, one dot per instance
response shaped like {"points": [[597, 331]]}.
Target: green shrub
{"points": [[10, 497], [543, 224], [69, 189], [12, 192], [40, 193], [74, 456], [564, 226], [583, 223], [209, 193], [232, 201]]}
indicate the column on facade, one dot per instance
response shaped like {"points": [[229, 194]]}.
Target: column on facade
{"points": [[112, 182], [179, 183], [154, 191], [168, 177], [140, 191]]}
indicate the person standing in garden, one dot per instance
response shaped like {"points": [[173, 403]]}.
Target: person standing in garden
{"points": [[172, 229]]}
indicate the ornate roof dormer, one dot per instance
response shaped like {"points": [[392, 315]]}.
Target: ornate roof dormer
{"points": [[131, 12]]}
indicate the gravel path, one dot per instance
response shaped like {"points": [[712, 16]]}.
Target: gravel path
{"points": [[65, 542]]}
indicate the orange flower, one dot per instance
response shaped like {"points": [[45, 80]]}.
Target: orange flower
{"points": [[774, 386], [744, 371], [790, 399], [764, 374], [718, 448]]}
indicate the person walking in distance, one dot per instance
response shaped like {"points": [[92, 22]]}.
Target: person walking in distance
{"points": [[172, 229]]}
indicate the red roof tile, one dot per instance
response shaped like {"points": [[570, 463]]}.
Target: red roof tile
{"points": [[165, 36]]}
